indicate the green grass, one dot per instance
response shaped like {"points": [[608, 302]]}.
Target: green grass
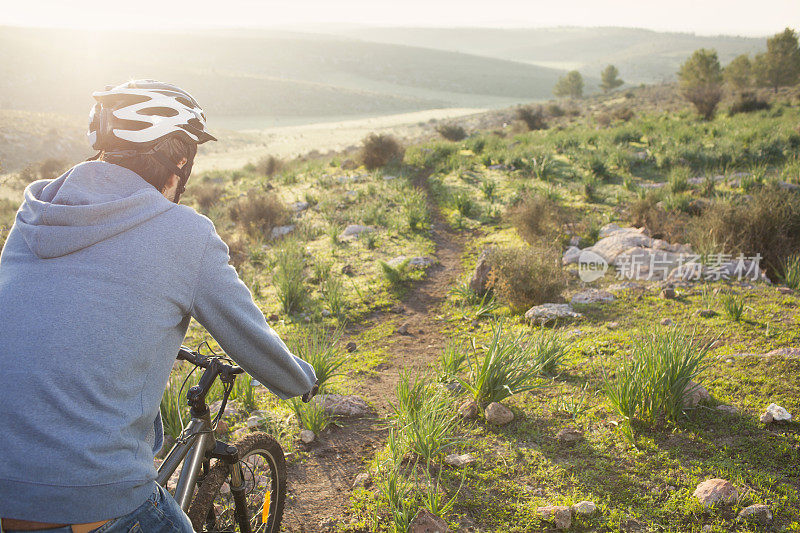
{"points": [[320, 348]]}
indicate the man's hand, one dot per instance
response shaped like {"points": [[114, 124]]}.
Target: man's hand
{"points": [[310, 394]]}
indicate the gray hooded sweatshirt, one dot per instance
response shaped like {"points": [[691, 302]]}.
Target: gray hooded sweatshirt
{"points": [[99, 278]]}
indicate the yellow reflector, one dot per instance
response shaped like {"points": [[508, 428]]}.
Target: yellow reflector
{"points": [[265, 509]]}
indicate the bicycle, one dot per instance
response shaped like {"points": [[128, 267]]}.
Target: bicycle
{"points": [[246, 487]]}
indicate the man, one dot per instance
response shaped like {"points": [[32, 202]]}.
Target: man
{"points": [[99, 278]]}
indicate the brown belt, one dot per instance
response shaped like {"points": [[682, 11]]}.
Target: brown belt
{"points": [[25, 525]]}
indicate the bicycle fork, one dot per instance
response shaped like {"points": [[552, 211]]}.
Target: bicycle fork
{"points": [[240, 503]]}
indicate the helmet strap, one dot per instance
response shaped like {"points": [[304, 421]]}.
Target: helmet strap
{"points": [[182, 173]]}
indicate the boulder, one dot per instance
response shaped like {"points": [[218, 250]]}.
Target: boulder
{"points": [[758, 513], [646, 263], [355, 230], [427, 522], [727, 409], [414, 262], [619, 241], [549, 313], [608, 230], [345, 406], [300, 206], [571, 255], [584, 508], [459, 461], [716, 490], [280, 231], [560, 515], [694, 393], [480, 276], [498, 414], [592, 296]]}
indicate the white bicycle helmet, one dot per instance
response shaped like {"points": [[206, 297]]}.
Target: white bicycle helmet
{"points": [[137, 117]]}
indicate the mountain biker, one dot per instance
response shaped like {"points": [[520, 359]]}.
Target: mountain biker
{"points": [[99, 278]]}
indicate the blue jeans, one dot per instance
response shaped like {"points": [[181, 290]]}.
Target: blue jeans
{"points": [[159, 514]]}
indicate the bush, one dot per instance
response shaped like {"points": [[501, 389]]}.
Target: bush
{"points": [[501, 368], [768, 223], [554, 110], [548, 350], [650, 387], [258, 211], [397, 275], [452, 132], [747, 103], [289, 277], [52, 168], [320, 348], [623, 113], [311, 415], [269, 165], [206, 194], [379, 150], [733, 306], [791, 272], [646, 212], [533, 117], [536, 216], [526, 276], [463, 203]]}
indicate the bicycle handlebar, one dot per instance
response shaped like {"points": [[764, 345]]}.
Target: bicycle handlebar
{"points": [[197, 359]]}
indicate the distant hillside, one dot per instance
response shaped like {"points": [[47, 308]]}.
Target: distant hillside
{"points": [[642, 56], [261, 74]]}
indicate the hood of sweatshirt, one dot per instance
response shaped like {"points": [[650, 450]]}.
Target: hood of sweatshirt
{"points": [[91, 202]]}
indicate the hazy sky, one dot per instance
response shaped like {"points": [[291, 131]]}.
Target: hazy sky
{"points": [[739, 17]]}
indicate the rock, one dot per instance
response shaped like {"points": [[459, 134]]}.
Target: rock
{"points": [[349, 164], [584, 508], [784, 352], [362, 480], [222, 427], [646, 263], [402, 329], [706, 313], [574, 240], [666, 322], [253, 421], [498, 414], [414, 262], [346, 406], [274, 318], [779, 414], [348, 270], [307, 436], [280, 231], [765, 418], [571, 255], [620, 241], [727, 409], [716, 490], [569, 436], [592, 296], [785, 290], [560, 515], [694, 393], [426, 522], [668, 293], [355, 230], [327, 524], [548, 313], [612, 325], [300, 206], [626, 286], [608, 230], [480, 276], [459, 461], [758, 513], [468, 410], [231, 408], [350, 347]]}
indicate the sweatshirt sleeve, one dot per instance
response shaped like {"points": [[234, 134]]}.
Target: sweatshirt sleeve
{"points": [[224, 306]]}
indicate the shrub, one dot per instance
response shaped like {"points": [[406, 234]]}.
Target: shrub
{"points": [[397, 275], [526, 276], [206, 194], [533, 117], [768, 224], [554, 110], [320, 348], [258, 211], [289, 277], [733, 306], [651, 386], [701, 81], [536, 216], [623, 113], [380, 150], [244, 391], [451, 361], [463, 203], [501, 368], [311, 415], [645, 211], [679, 179], [415, 207], [52, 168], [452, 132], [747, 103], [548, 350], [269, 165]]}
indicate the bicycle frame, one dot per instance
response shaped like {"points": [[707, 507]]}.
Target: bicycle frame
{"points": [[197, 440]]}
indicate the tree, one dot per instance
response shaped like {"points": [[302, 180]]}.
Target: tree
{"points": [[701, 81], [570, 85], [779, 66], [609, 79], [739, 72]]}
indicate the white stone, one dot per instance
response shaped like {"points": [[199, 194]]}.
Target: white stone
{"points": [[571, 255], [547, 313], [280, 231], [361, 480], [585, 508], [300, 206], [779, 414], [354, 230], [592, 296], [716, 490], [498, 414], [350, 406], [459, 461], [759, 513]]}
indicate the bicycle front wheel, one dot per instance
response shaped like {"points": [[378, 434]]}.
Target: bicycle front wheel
{"points": [[264, 469]]}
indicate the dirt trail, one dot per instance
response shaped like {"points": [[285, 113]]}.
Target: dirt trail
{"points": [[320, 484]]}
